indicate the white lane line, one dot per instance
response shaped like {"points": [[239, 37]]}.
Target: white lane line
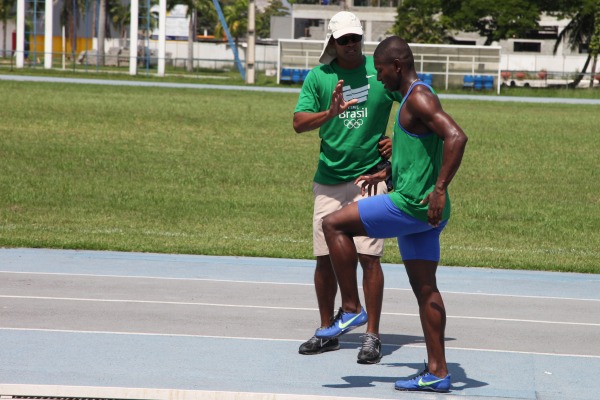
{"points": [[185, 303], [102, 392], [418, 346], [288, 284]]}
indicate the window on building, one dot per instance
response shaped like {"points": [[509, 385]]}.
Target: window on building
{"points": [[530, 47], [463, 42], [542, 32]]}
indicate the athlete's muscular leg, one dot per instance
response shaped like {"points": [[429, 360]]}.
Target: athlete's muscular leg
{"points": [[339, 229], [326, 288], [421, 274], [373, 289]]}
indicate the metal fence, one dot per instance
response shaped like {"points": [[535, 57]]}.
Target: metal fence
{"points": [[448, 65]]}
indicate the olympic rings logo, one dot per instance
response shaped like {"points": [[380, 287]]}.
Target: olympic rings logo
{"points": [[353, 123]]}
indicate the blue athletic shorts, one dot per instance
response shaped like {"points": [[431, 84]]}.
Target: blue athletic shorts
{"points": [[417, 240]]}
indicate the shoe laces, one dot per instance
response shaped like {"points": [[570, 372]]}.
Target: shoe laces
{"points": [[370, 342], [424, 372], [320, 341], [337, 316]]}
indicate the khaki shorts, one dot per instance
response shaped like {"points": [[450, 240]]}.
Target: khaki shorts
{"points": [[329, 198]]}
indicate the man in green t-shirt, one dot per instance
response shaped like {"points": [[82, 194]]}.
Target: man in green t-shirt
{"points": [[344, 100], [428, 148]]}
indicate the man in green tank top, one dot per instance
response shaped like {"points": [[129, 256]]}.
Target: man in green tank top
{"points": [[428, 148], [344, 100]]}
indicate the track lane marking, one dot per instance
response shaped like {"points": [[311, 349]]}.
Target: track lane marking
{"points": [[418, 346], [185, 303], [288, 284]]}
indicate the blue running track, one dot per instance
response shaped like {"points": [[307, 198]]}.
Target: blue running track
{"points": [[152, 326]]}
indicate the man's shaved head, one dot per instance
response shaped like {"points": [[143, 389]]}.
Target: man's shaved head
{"points": [[394, 48]]}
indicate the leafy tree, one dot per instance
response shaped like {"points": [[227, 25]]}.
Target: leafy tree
{"points": [[120, 17], [6, 7], [192, 14], [495, 20], [71, 13], [207, 17], [418, 21], [594, 46], [263, 19], [236, 17], [199, 12], [581, 30], [101, 30]]}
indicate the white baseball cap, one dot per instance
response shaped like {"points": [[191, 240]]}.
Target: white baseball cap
{"points": [[342, 23]]}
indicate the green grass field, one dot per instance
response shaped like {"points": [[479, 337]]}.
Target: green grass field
{"points": [[223, 173]]}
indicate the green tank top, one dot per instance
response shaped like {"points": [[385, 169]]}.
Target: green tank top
{"points": [[349, 140], [416, 163]]}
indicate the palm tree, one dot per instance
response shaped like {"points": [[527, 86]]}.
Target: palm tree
{"points": [[72, 9], [579, 31], [236, 17], [120, 17], [594, 46], [192, 14], [5, 12], [101, 30]]}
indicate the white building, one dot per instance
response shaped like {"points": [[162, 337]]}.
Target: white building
{"points": [[531, 54]]}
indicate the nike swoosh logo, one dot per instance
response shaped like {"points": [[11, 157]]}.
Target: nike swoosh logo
{"points": [[370, 76], [421, 383], [343, 325]]}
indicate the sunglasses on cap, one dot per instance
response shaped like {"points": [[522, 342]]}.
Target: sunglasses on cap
{"points": [[343, 40]]}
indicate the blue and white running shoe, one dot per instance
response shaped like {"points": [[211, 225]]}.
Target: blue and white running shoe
{"points": [[344, 322], [425, 381]]}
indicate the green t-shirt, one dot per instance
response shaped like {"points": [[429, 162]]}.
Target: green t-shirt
{"points": [[416, 164], [349, 140]]}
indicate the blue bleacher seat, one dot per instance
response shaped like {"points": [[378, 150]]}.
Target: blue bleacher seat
{"points": [[296, 75], [478, 82], [468, 81], [428, 79], [488, 82], [286, 75], [304, 74]]}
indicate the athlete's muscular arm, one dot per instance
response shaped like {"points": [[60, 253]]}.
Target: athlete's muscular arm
{"points": [[306, 121], [425, 106]]}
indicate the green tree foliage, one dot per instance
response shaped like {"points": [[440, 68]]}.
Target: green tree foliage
{"points": [[418, 21], [495, 20], [70, 15], [207, 17], [120, 17], [236, 17], [580, 31], [594, 46]]}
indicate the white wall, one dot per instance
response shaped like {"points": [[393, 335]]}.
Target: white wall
{"points": [[212, 55], [10, 27], [535, 63], [215, 55]]}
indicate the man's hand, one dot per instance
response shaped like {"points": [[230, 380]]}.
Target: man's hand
{"points": [[369, 182], [338, 104], [307, 121], [385, 147], [437, 201]]}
